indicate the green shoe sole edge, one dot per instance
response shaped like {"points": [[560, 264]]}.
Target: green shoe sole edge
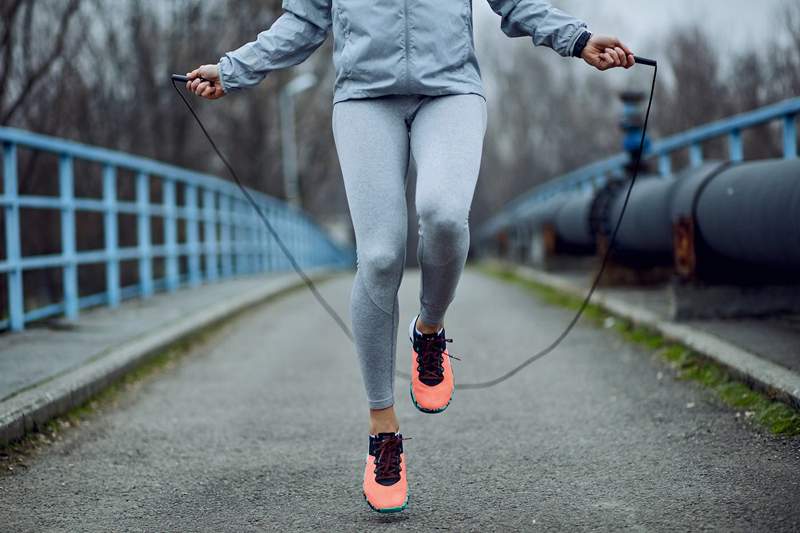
{"points": [[422, 409], [388, 509]]}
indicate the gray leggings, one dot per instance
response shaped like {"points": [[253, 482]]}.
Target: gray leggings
{"points": [[374, 139]]}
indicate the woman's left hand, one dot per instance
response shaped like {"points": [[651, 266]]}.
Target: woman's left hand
{"points": [[604, 52]]}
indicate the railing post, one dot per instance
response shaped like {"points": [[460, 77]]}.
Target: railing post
{"points": [[789, 137], [308, 250], [143, 230], [110, 230], [261, 241], [247, 249], [269, 247], [226, 220], [695, 155], [256, 251], [264, 244], [238, 237], [595, 181], [234, 220], [171, 235], [247, 226], [16, 305], [288, 230], [192, 238], [68, 248], [311, 249], [297, 224], [735, 149], [210, 233], [664, 165], [292, 219], [280, 228], [297, 250], [254, 237]]}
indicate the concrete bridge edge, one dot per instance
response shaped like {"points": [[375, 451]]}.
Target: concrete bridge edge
{"points": [[776, 381], [34, 407]]}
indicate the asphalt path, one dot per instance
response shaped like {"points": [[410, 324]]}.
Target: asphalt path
{"points": [[264, 428]]}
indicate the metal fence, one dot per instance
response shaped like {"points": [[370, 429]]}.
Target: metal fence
{"points": [[223, 236], [596, 174]]}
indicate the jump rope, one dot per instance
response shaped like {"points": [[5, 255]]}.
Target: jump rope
{"points": [[338, 319]]}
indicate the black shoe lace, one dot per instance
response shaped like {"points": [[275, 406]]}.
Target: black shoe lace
{"points": [[387, 459], [430, 358]]}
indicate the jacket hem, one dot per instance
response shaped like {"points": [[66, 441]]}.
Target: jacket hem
{"points": [[344, 94]]}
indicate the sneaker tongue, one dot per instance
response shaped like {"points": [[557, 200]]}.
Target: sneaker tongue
{"points": [[375, 440]]}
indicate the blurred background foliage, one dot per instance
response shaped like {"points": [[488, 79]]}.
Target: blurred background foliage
{"points": [[96, 71]]}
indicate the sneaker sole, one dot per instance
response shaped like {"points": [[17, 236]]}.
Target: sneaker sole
{"points": [[388, 509], [423, 409]]}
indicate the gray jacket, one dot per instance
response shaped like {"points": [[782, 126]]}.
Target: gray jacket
{"points": [[383, 47]]}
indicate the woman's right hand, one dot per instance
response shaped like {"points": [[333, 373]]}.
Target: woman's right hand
{"points": [[209, 86]]}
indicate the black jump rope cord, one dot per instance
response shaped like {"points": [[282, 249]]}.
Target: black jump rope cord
{"points": [[343, 325], [285, 249]]}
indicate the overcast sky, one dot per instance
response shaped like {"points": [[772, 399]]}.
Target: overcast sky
{"points": [[640, 21], [733, 21], [644, 25]]}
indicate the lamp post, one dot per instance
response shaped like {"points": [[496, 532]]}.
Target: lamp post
{"points": [[288, 143], [632, 123]]}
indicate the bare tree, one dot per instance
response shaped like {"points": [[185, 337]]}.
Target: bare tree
{"points": [[20, 64]]}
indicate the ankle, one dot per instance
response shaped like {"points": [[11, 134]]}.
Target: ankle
{"points": [[427, 329], [383, 427], [383, 421], [388, 428]]}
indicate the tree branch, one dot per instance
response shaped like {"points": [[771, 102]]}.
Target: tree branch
{"points": [[6, 44], [46, 65]]}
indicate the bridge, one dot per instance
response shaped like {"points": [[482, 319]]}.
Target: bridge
{"points": [[203, 389]]}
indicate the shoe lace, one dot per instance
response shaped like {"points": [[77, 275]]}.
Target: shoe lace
{"points": [[387, 460], [430, 358]]}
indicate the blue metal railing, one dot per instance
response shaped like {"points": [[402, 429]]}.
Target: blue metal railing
{"points": [[234, 241], [596, 174]]}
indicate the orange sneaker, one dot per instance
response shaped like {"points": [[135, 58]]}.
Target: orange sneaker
{"points": [[385, 485], [432, 381]]}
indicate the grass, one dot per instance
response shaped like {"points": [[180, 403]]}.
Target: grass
{"points": [[775, 416]]}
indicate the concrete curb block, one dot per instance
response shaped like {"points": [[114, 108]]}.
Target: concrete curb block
{"points": [[34, 407], [776, 381]]}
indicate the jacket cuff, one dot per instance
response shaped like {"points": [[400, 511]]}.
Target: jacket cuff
{"points": [[580, 43], [579, 31], [226, 75]]}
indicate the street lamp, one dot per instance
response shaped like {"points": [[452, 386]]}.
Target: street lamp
{"points": [[291, 179]]}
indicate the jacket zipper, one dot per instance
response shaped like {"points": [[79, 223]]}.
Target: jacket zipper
{"points": [[407, 44]]}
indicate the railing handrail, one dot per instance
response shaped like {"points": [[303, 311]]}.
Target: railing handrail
{"points": [[120, 159], [223, 237], [598, 170], [724, 126], [136, 163]]}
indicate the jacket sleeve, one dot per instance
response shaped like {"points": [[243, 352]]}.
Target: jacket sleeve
{"points": [[547, 25], [294, 36]]}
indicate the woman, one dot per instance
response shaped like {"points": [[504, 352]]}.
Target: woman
{"points": [[407, 82]]}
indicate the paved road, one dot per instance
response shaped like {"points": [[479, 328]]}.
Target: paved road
{"points": [[41, 353], [263, 429]]}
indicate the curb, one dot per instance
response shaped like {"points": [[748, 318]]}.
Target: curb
{"points": [[776, 381], [34, 407]]}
